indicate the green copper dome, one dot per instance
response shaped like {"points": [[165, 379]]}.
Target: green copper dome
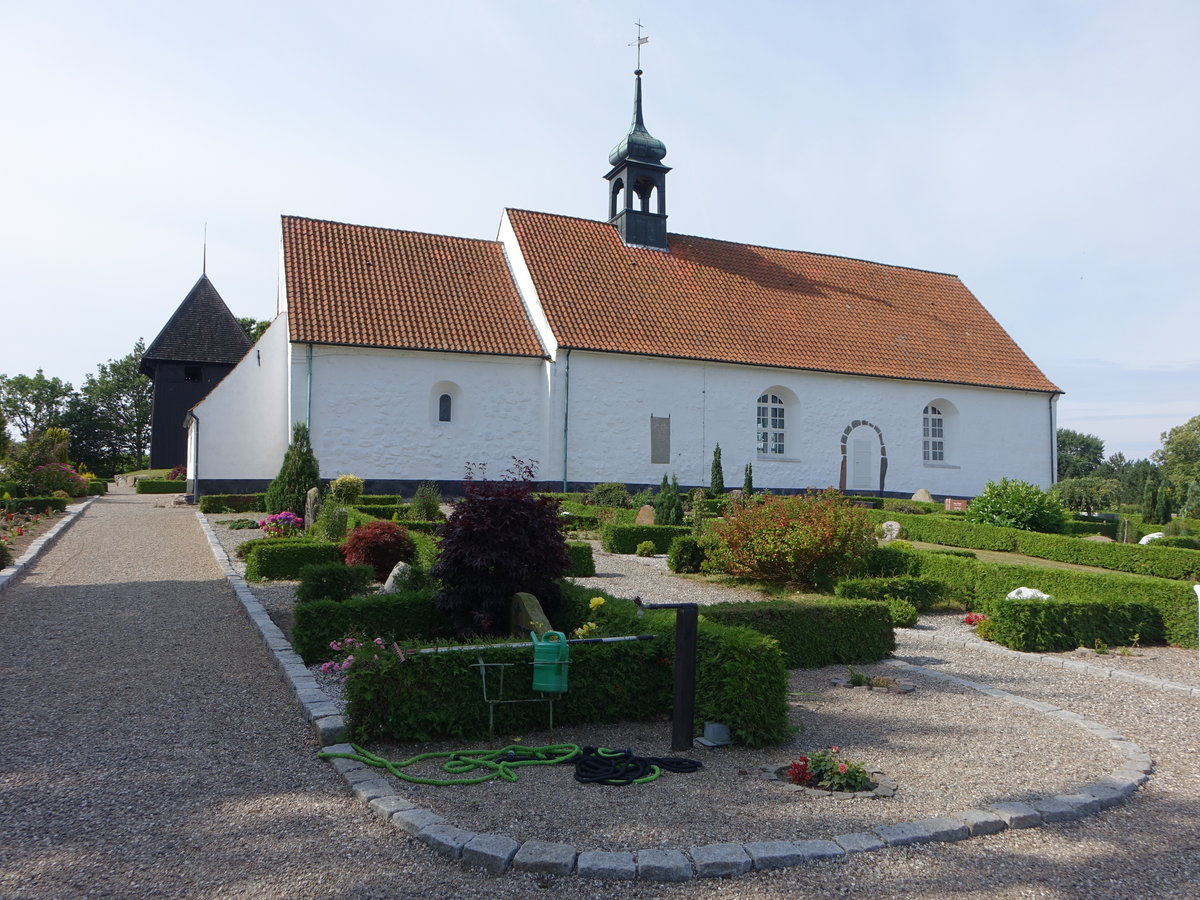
{"points": [[639, 144]]}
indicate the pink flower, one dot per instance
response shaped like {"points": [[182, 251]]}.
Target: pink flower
{"points": [[843, 768]]}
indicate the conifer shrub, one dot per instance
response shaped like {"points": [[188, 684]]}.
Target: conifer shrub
{"points": [[685, 554], [332, 522], [379, 545], [748, 481], [668, 503], [813, 539], [716, 484], [298, 472], [346, 489], [333, 581], [427, 503], [500, 539]]}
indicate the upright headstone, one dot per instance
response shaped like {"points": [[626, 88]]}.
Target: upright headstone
{"points": [[891, 531], [527, 615], [312, 506], [396, 578], [923, 496], [645, 515]]}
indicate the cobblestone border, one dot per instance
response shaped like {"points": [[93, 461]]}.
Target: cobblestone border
{"points": [[498, 853], [43, 542], [1057, 662]]}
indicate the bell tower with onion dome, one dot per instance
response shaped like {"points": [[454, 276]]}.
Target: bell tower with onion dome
{"points": [[638, 181]]}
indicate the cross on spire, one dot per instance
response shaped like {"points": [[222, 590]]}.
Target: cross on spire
{"points": [[638, 43]]}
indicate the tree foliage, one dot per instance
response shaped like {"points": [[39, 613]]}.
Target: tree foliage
{"points": [[1131, 474], [1090, 494], [1078, 454], [1179, 455], [34, 403], [1017, 504], [500, 539], [668, 503], [109, 416], [298, 472], [253, 327]]}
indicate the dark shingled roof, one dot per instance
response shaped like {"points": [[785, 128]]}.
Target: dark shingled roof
{"points": [[202, 330]]}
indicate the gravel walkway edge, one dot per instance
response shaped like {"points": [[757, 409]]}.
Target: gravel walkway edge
{"points": [[498, 853], [45, 542]]}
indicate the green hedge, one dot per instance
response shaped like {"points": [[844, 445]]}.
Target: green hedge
{"points": [[36, 504], [96, 487], [1077, 527], [278, 558], [1050, 626], [813, 634], [740, 680], [381, 499], [430, 528], [406, 616], [380, 511], [625, 538], [12, 488], [160, 486], [219, 503], [923, 593], [1161, 562], [583, 564]]}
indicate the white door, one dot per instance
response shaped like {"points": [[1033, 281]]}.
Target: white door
{"points": [[862, 476]]}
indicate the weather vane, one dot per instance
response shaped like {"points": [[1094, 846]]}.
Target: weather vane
{"points": [[638, 43]]}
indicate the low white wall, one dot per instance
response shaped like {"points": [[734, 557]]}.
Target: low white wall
{"points": [[991, 433]]}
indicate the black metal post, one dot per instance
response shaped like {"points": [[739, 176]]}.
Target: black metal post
{"points": [[683, 715]]}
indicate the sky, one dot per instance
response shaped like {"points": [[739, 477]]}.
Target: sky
{"points": [[1042, 150]]}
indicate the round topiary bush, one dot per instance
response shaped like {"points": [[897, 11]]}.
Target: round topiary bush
{"points": [[608, 493], [645, 548], [1018, 504], [346, 489], [379, 545]]}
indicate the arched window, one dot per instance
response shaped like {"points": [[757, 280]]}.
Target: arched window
{"points": [[771, 425], [445, 407], [933, 434]]}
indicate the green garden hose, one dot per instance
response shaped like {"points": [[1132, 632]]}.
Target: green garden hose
{"points": [[501, 763]]}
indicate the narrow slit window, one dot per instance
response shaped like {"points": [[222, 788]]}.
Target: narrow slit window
{"points": [[445, 405]]}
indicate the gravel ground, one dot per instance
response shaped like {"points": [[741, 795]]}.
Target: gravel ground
{"points": [[153, 751]]}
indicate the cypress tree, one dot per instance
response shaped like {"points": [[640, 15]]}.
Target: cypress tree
{"points": [[1149, 503], [717, 479], [1191, 503], [299, 472], [1162, 508], [748, 480], [668, 504]]}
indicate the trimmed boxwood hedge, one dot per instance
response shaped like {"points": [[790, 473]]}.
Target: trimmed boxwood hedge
{"points": [[583, 564], [625, 538], [406, 616], [276, 558], [97, 488], [36, 504], [1161, 562], [922, 593], [741, 680], [219, 503], [1050, 626], [380, 511], [160, 486], [813, 634]]}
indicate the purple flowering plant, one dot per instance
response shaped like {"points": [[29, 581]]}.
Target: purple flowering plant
{"points": [[283, 524]]}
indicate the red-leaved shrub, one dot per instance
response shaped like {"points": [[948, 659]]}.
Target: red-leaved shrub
{"points": [[809, 540], [379, 545]]}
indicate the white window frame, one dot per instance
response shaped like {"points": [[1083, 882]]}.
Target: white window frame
{"points": [[771, 430], [933, 434]]}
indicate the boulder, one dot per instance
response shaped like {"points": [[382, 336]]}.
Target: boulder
{"points": [[1152, 537], [1027, 593], [891, 531], [397, 578], [645, 515], [923, 496]]}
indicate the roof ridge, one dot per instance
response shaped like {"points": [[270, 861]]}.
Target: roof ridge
{"points": [[455, 237], [700, 237]]}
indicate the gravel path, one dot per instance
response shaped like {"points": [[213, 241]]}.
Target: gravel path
{"points": [[152, 751]]}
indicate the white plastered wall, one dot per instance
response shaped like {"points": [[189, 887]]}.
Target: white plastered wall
{"points": [[240, 430], [990, 433], [374, 413]]}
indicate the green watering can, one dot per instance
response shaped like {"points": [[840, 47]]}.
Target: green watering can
{"points": [[551, 654]]}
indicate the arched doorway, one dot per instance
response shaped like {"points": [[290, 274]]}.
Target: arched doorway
{"points": [[863, 458]]}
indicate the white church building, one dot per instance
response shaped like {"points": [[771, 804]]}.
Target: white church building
{"points": [[616, 351]]}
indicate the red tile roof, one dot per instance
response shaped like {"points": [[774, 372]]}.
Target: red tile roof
{"points": [[375, 287], [738, 303]]}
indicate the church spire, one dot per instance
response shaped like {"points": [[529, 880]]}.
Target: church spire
{"points": [[638, 174]]}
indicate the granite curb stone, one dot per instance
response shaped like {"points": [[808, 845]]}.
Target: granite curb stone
{"points": [[860, 842], [663, 865], [492, 852], [545, 857], [446, 839], [606, 865], [716, 860]]}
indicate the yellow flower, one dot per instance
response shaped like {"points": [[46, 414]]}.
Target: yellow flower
{"points": [[596, 603]]}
